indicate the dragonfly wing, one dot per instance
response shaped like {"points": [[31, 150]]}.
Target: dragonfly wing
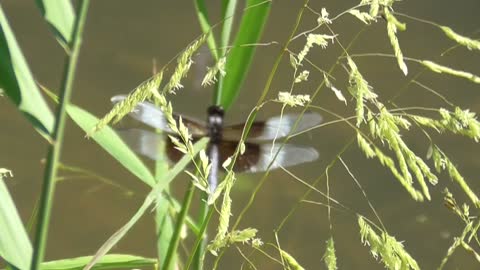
{"points": [[274, 127], [151, 115], [142, 141], [257, 157], [289, 155], [146, 113]]}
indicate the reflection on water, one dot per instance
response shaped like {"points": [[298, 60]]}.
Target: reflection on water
{"points": [[117, 55]]}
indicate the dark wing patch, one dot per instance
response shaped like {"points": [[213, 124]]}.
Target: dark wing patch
{"points": [[257, 157]]}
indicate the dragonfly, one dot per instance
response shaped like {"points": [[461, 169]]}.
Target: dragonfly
{"points": [[259, 155]]}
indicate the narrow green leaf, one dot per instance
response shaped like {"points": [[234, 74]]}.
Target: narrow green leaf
{"points": [[163, 220], [60, 15], [240, 56], [18, 83], [206, 27], [164, 226], [228, 12], [112, 261], [15, 246], [118, 235], [151, 197], [111, 142]]}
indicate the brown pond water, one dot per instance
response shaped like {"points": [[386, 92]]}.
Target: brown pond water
{"points": [[122, 38]]}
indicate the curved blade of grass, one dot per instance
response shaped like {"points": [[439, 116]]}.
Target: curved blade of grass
{"points": [[151, 197], [112, 261], [240, 57], [15, 245], [60, 16], [18, 83], [108, 139], [206, 27]]}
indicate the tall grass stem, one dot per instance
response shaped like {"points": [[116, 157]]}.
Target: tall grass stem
{"points": [[53, 157]]}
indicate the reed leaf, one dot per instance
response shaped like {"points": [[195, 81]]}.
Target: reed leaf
{"points": [[112, 143], [240, 56], [110, 261], [15, 247], [18, 83], [228, 12], [202, 14], [60, 16]]}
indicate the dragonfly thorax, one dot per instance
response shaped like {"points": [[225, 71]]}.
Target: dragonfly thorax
{"points": [[215, 123]]}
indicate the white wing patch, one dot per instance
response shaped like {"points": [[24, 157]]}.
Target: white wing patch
{"points": [[289, 155]]}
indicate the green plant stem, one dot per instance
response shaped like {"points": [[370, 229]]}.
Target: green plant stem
{"points": [[53, 156], [187, 201], [200, 237]]}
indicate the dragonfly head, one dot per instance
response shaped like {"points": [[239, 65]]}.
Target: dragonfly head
{"points": [[215, 123]]}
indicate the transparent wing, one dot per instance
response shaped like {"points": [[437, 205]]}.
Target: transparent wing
{"points": [[151, 115], [256, 158], [142, 141], [289, 155], [274, 127]]}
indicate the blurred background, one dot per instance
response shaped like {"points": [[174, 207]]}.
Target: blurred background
{"points": [[121, 40]]}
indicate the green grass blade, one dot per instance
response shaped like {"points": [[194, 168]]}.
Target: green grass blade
{"points": [[163, 220], [240, 57], [202, 15], [151, 197], [18, 83], [112, 261], [118, 235], [60, 15], [164, 232], [15, 245], [228, 12], [111, 142]]}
